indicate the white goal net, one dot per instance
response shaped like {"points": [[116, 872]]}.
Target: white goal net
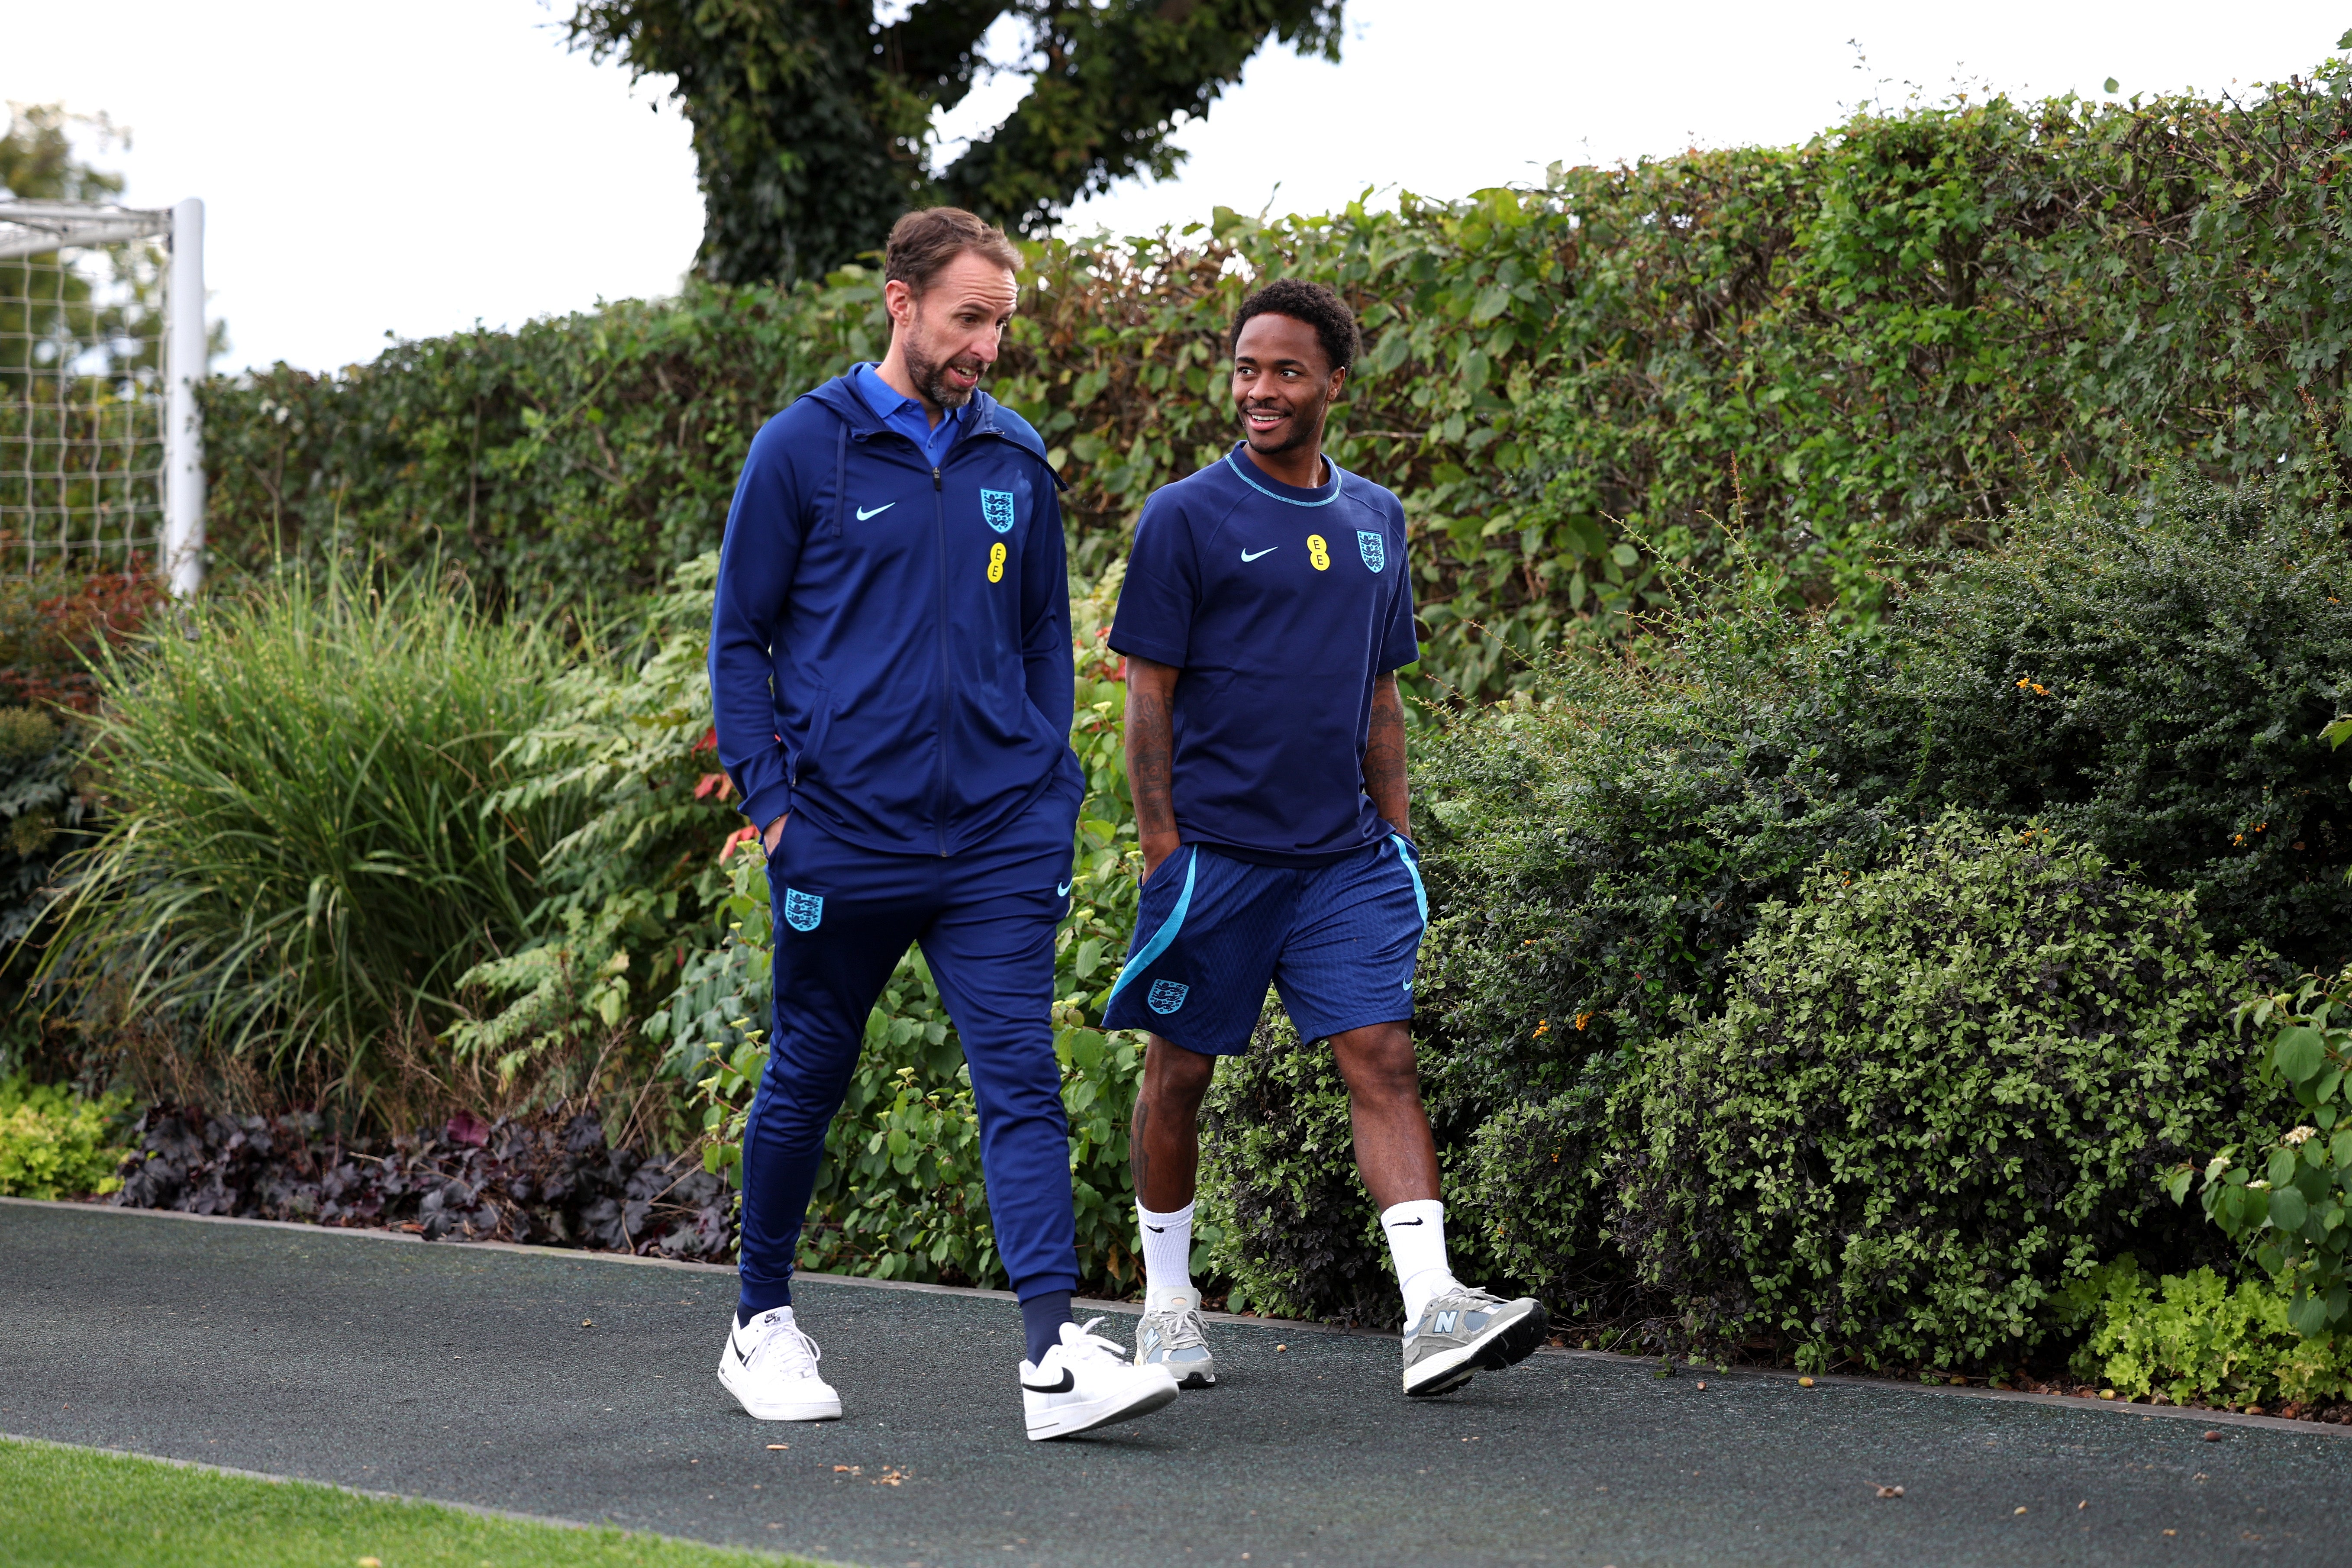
{"points": [[99, 469]]}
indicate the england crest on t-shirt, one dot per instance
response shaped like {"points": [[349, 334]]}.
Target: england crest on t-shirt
{"points": [[996, 506], [1372, 547], [802, 911]]}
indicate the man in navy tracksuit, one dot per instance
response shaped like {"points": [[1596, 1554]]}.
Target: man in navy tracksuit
{"points": [[891, 676]]}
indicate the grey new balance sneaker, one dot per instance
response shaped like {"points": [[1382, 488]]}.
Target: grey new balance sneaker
{"points": [[1465, 1331], [1175, 1337]]}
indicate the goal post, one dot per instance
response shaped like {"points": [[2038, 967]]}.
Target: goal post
{"points": [[103, 343]]}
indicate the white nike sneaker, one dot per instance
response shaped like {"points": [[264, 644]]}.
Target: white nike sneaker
{"points": [[1085, 1383], [770, 1366]]}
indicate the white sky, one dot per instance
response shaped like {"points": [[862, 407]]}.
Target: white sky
{"points": [[421, 167]]}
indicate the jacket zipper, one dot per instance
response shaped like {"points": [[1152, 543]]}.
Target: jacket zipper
{"points": [[939, 530]]}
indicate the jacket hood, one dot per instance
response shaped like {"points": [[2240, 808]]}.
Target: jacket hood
{"points": [[989, 418]]}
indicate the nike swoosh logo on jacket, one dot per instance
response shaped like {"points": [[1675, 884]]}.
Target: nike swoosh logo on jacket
{"points": [[905, 683]]}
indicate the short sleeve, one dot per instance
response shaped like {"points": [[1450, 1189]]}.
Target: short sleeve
{"points": [[1162, 587], [1400, 643]]}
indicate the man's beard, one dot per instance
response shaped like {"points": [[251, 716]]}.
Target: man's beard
{"points": [[929, 376]]}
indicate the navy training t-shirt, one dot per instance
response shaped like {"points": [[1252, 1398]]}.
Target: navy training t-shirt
{"points": [[1280, 605]]}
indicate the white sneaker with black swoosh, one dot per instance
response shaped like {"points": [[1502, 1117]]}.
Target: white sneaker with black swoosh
{"points": [[770, 1366], [1085, 1383]]}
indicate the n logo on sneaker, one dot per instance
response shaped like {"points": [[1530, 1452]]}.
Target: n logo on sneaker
{"points": [[1445, 1322]]}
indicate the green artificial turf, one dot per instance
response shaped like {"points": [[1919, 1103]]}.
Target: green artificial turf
{"points": [[63, 1508]]}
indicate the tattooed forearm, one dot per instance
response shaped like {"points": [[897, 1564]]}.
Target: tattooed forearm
{"points": [[1384, 776], [1150, 741]]}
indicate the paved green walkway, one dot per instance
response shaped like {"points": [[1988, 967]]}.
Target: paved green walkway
{"points": [[468, 1375]]}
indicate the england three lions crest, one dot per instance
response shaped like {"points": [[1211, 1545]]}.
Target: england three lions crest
{"points": [[1167, 995], [802, 911], [996, 506], [1373, 548]]}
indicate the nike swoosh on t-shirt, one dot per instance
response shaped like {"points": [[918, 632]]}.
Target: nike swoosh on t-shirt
{"points": [[863, 514], [1063, 891], [1245, 555]]}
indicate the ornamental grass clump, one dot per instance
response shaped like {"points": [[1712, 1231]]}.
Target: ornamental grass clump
{"points": [[298, 863], [1937, 1092]]}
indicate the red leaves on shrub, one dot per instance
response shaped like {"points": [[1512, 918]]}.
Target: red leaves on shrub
{"points": [[549, 1179]]}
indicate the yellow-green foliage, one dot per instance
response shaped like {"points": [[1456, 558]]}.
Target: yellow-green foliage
{"points": [[2195, 1338], [55, 1145]]}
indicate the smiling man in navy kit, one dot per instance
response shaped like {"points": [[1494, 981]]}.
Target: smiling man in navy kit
{"points": [[891, 680], [1267, 608]]}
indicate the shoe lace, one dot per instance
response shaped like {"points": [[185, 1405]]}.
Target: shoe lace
{"points": [[790, 1345], [1093, 1346], [1184, 1328], [1469, 1296]]}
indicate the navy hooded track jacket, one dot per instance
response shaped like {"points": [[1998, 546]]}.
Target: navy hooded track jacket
{"points": [[890, 643]]}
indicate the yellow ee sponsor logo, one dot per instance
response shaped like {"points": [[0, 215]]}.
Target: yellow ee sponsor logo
{"points": [[997, 563], [1318, 552]]}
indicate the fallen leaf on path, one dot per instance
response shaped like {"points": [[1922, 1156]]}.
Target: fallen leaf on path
{"points": [[1890, 1491], [2212, 1436], [774, 1446], [2020, 1511]]}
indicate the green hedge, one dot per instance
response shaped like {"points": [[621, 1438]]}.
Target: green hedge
{"points": [[1602, 851], [1890, 333], [1938, 1090]]}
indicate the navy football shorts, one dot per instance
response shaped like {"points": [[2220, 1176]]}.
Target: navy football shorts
{"points": [[1337, 942]]}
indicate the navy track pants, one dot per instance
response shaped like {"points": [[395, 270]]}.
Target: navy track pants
{"points": [[986, 920]]}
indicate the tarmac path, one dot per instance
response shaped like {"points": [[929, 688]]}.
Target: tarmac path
{"points": [[578, 1387]]}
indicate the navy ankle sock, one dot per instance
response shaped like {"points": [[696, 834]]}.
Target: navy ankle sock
{"points": [[1042, 1317], [750, 1301]]}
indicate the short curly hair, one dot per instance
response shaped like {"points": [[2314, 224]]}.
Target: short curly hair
{"points": [[1334, 323]]}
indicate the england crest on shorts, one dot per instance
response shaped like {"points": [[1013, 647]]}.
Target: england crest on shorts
{"points": [[802, 911], [996, 506], [1167, 995], [1373, 548]]}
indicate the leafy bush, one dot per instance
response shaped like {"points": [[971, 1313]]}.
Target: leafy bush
{"points": [[632, 759], [298, 864], [552, 1177], [2197, 1339], [53, 628], [1937, 1092], [2291, 1216], [1595, 858], [1898, 329], [53, 1144], [2148, 672]]}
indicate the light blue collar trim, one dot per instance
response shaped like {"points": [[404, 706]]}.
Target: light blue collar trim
{"points": [[1243, 474]]}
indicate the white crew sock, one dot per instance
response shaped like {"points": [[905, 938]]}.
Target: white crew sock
{"points": [[1416, 1233], [1167, 1258]]}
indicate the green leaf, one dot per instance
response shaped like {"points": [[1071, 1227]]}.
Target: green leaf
{"points": [[2110, 85], [2288, 1209], [2299, 1051]]}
